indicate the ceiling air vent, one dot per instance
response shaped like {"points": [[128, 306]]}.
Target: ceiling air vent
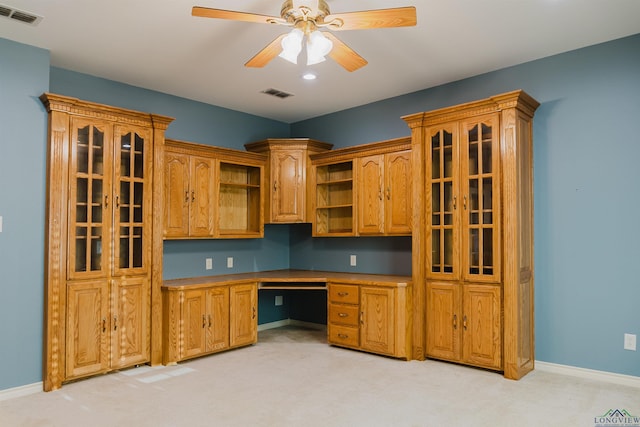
{"points": [[19, 15], [277, 93]]}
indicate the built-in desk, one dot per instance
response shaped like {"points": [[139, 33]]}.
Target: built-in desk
{"points": [[208, 314]]}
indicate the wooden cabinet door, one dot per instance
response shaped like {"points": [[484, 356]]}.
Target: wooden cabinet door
{"points": [[130, 332], [377, 328], [288, 191], [481, 323], [201, 197], [398, 198], [87, 328], [443, 321], [370, 195], [217, 331], [194, 324], [243, 315], [176, 194]]}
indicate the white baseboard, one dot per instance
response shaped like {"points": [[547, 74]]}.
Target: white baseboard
{"points": [[609, 377], [287, 322], [24, 390]]}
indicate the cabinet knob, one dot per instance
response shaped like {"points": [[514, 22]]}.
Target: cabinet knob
{"points": [[253, 313], [209, 317], [388, 193], [104, 324], [106, 201], [193, 196], [464, 322], [455, 202], [186, 196], [455, 321], [204, 321], [115, 323], [343, 315]]}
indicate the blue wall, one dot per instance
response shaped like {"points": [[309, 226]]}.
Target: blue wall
{"points": [[24, 72], [586, 177], [586, 151]]}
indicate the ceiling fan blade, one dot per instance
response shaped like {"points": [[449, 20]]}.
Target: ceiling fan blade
{"points": [[344, 55], [206, 12], [367, 19], [263, 57]]}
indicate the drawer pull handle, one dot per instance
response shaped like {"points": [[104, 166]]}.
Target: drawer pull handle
{"points": [[343, 314], [343, 336], [343, 294]]}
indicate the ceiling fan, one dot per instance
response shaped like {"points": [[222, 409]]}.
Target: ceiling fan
{"points": [[307, 18]]}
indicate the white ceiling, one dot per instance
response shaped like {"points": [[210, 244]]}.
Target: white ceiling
{"points": [[158, 45]]}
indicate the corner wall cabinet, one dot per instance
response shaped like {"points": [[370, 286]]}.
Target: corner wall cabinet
{"points": [[98, 271], [362, 190], [212, 192], [287, 169], [372, 317], [208, 318], [473, 240]]}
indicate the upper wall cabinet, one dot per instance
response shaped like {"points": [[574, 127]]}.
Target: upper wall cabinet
{"points": [[287, 169], [189, 195], [212, 192], [363, 190], [473, 235], [384, 193], [100, 233]]}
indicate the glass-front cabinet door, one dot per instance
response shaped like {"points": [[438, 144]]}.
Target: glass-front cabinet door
{"points": [[132, 198], [481, 199], [443, 202], [90, 201]]}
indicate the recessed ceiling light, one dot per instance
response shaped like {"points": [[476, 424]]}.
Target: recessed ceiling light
{"points": [[309, 76]]}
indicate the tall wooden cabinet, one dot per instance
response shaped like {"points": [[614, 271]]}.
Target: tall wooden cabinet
{"points": [[98, 270], [287, 169], [473, 240]]}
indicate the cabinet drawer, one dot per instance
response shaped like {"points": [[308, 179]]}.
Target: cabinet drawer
{"points": [[343, 335], [343, 314], [345, 294]]}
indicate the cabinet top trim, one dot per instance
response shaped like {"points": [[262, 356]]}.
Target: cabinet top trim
{"points": [[349, 153], [516, 99], [75, 106], [222, 153], [288, 143]]}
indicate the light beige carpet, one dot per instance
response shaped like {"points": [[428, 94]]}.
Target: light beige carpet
{"points": [[293, 378]]}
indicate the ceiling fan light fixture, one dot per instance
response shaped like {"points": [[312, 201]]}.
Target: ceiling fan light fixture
{"points": [[292, 45], [318, 46]]}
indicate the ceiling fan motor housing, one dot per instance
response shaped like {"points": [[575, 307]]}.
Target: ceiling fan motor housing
{"points": [[314, 10]]}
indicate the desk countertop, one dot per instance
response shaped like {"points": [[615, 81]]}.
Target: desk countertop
{"points": [[283, 277]]}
